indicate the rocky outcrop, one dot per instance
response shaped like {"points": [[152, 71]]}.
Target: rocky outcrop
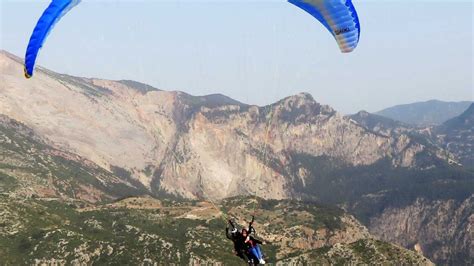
{"points": [[441, 229]]}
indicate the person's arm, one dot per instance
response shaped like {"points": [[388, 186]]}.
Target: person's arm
{"points": [[251, 229]]}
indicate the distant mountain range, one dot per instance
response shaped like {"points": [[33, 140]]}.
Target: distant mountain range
{"points": [[427, 113], [126, 138]]}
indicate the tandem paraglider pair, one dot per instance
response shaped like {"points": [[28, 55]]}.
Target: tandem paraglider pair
{"points": [[338, 16], [246, 246]]}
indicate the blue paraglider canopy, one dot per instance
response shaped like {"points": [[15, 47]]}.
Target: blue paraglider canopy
{"points": [[338, 16], [52, 14]]}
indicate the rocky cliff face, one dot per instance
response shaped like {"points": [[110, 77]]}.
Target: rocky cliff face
{"points": [[189, 146], [442, 229]]}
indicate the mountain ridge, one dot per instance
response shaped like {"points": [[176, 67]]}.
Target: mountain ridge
{"points": [[161, 137]]}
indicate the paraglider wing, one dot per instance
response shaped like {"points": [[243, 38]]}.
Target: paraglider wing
{"points": [[338, 16], [55, 11]]}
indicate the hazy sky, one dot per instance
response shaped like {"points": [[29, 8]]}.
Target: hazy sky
{"points": [[260, 51]]}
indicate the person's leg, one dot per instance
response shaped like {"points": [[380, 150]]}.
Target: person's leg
{"points": [[259, 252], [254, 252]]}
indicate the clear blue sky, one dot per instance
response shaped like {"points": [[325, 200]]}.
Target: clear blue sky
{"points": [[260, 51]]}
